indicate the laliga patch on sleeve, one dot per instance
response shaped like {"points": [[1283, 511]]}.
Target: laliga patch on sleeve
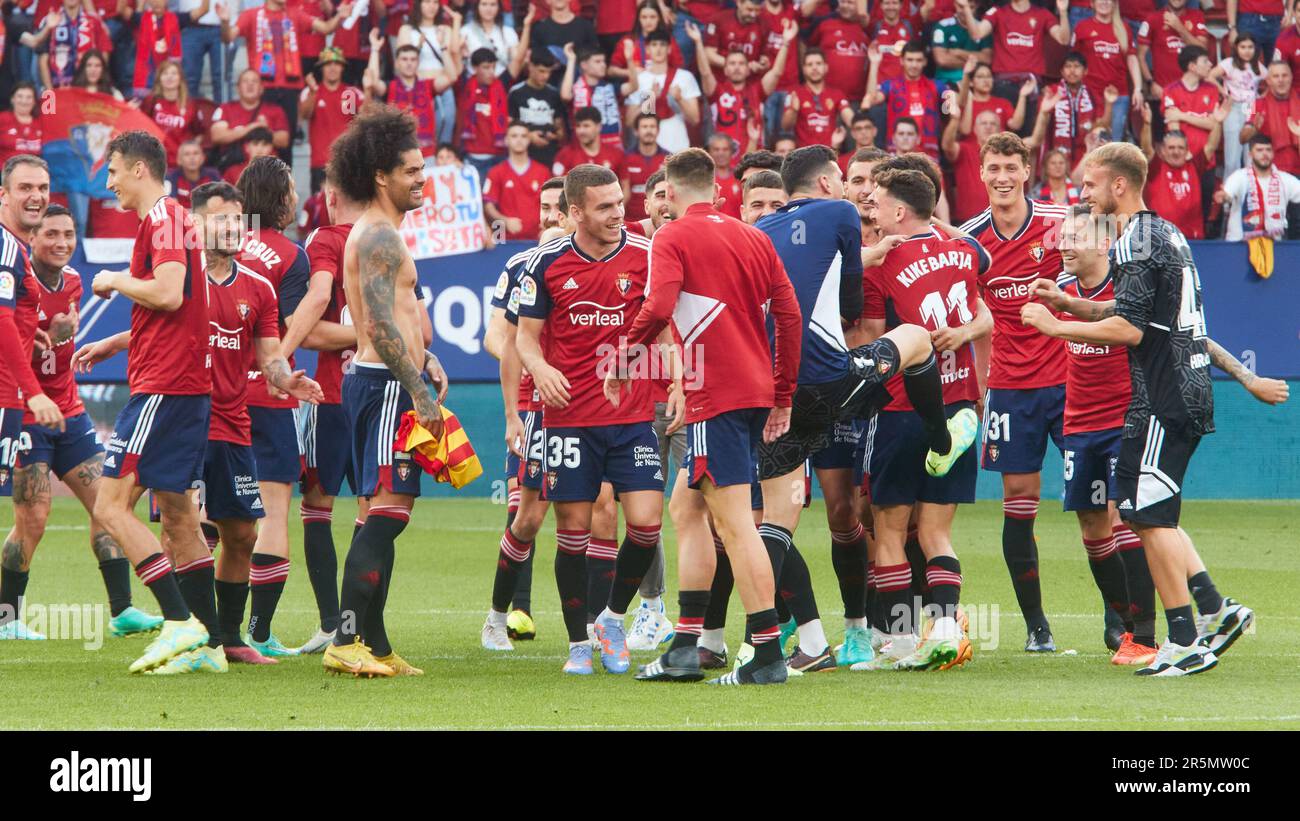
{"points": [[512, 306], [6, 285], [503, 282], [527, 291]]}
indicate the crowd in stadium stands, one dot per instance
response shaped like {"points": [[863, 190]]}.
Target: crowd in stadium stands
{"points": [[525, 90]]}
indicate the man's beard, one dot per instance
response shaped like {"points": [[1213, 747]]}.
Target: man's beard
{"points": [[1260, 168]]}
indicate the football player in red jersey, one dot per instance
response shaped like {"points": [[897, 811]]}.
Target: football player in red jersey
{"points": [[74, 455], [378, 164], [930, 280], [154, 444], [1025, 397], [583, 289]]}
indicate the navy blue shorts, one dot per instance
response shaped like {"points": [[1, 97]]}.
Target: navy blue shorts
{"points": [[895, 456], [161, 439], [1090, 460], [326, 446], [531, 470], [374, 403], [63, 452], [13, 439], [838, 455], [275, 444], [1017, 424], [724, 448], [229, 489], [579, 459]]}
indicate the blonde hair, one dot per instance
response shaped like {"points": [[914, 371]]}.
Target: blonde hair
{"points": [[1121, 160], [182, 90]]}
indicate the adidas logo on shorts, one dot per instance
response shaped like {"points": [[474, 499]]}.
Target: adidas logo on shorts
{"points": [[570, 285], [110, 462]]}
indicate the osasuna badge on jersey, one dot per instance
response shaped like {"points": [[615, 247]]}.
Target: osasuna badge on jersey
{"points": [[1036, 251], [624, 281], [243, 309], [551, 478], [533, 468], [403, 471], [993, 453]]}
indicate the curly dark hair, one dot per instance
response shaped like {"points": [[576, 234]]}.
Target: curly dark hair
{"points": [[264, 185], [375, 141]]}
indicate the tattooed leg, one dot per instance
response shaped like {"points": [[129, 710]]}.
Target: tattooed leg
{"points": [[31, 509], [83, 480]]}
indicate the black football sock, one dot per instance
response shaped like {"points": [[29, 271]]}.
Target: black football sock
{"points": [[777, 541], [510, 559], [715, 618], [156, 574], [197, 583], [231, 598], [1020, 551], [1208, 600], [117, 581], [602, 555], [571, 580], [322, 564], [266, 578], [924, 390], [1107, 568], [873, 599], [894, 583], [943, 579], [13, 586], [764, 636], [692, 606], [1182, 625], [523, 599], [211, 536], [916, 559], [363, 571], [634, 559], [849, 558], [795, 588], [375, 633], [1141, 588]]}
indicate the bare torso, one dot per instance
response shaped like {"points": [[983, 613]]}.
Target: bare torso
{"points": [[399, 291]]}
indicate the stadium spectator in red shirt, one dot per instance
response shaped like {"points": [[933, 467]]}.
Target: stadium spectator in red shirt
{"points": [[736, 98], [589, 87], [773, 16], [863, 132], [1164, 34], [887, 33], [648, 18], [1288, 42], [328, 106], [65, 37], [1018, 30], [257, 144], [1190, 103], [1056, 186], [483, 114], [232, 122], [158, 38], [512, 191], [970, 196], [913, 95], [407, 91], [614, 19], [586, 146], [190, 172], [20, 127], [843, 38], [639, 164], [169, 106], [1106, 43], [272, 35], [1173, 188], [1274, 111], [814, 110], [730, 195], [1076, 110], [977, 84], [738, 30]]}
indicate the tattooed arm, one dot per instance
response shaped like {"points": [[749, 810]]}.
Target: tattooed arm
{"points": [[278, 375], [380, 254], [1268, 391], [1047, 292]]}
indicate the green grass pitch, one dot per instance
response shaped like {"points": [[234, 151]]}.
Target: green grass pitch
{"points": [[440, 594]]}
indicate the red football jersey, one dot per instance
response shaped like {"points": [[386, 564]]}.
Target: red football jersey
{"points": [[53, 366], [886, 36], [276, 258], [574, 154], [1022, 358], [845, 44], [169, 351], [714, 278], [637, 168], [933, 282], [517, 194], [971, 196], [732, 194], [1287, 47], [734, 108], [772, 25], [587, 304], [1097, 387], [19, 308], [818, 114], [1175, 194], [1201, 100], [324, 249], [1166, 44], [1019, 39], [241, 310], [726, 33], [177, 126], [182, 189], [334, 110], [1107, 64], [994, 103], [281, 26], [18, 138], [234, 115]]}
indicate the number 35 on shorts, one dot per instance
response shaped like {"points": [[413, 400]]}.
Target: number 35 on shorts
{"points": [[563, 451]]}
